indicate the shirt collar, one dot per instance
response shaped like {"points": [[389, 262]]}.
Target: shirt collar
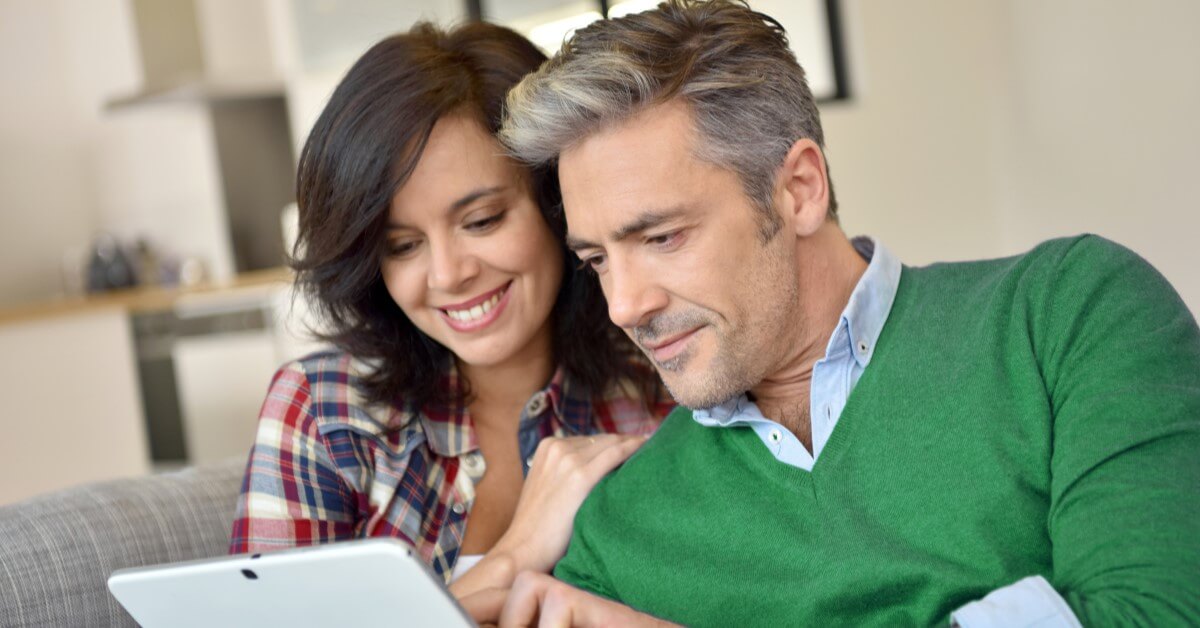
{"points": [[867, 310], [572, 403], [450, 432], [724, 415], [864, 317]]}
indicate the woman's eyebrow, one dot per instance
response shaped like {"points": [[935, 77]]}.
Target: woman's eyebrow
{"points": [[473, 196], [459, 204]]}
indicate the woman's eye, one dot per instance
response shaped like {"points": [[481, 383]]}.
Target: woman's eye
{"points": [[483, 224], [402, 249]]}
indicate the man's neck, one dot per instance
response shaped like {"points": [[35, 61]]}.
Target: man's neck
{"points": [[830, 269]]}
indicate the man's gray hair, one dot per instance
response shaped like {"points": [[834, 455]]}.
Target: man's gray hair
{"points": [[748, 96]]}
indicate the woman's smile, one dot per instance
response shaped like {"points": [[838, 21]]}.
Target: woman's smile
{"points": [[477, 313]]}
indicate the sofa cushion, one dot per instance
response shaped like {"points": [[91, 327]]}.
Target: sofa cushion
{"points": [[59, 549]]}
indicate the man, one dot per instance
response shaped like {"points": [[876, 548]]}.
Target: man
{"points": [[1009, 442]]}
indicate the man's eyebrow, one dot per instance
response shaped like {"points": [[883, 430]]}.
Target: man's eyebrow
{"points": [[462, 202], [575, 244], [645, 221]]}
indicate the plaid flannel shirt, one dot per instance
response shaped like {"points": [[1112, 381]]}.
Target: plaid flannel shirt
{"points": [[326, 466]]}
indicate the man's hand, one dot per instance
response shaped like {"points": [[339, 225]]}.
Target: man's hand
{"points": [[540, 600]]}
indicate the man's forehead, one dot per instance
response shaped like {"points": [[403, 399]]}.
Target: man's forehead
{"points": [[609, 177], [662, 128]]}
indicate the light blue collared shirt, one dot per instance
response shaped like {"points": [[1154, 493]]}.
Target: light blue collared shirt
{"points": [[835, 375]]}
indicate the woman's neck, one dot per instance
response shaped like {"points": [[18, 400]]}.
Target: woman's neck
{"points": [[509, 384]]}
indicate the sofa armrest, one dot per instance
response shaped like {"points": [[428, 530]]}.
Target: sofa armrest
{"points": [[59, 549]]}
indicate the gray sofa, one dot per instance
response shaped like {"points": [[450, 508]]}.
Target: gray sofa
{"points": [[57, 550]]}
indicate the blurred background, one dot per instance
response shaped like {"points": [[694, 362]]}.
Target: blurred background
{"points": [[147, 154]]}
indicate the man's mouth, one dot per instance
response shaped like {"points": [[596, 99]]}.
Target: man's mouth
{"points": [[668, 348]]}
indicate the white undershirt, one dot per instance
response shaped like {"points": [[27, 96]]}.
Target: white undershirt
{"points": [[464, 564]]}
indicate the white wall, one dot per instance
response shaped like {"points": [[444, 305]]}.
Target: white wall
{"points": [[981, 128], [1104, 129], [157, 177], [912, 154], [69, 169], [44, 205], [318, 42]]}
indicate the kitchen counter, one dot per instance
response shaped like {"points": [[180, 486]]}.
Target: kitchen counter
{"points": [[146, 299], [112, 379]]}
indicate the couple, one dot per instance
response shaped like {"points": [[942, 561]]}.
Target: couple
{"points": [[996, 443]]}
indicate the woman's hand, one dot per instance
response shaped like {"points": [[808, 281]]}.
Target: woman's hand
{"points": [[563, 472]]}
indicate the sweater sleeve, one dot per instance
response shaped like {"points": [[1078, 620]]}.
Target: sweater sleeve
{"points": [[1120, 354], [292, 494]]}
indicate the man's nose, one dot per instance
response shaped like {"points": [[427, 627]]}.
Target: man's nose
{"points": [[451, 267], [633, 295]]}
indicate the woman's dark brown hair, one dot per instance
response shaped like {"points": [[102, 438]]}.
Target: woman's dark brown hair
{"points": [[362, 149]]}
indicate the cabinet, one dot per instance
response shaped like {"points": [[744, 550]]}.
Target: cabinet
{"points": [[73, 413]]}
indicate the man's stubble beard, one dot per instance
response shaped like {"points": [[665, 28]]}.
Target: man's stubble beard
{"points": [[743, 355]]}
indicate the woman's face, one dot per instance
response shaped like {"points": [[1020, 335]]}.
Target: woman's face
{"points": [[470, 260]]}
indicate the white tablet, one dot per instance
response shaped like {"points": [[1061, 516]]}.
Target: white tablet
{"points": [[373, 582]]}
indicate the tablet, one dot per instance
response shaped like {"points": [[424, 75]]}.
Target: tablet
{"points": [[371, 582]]}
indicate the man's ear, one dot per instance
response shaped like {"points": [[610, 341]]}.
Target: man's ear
{"points": [[804, 187]]}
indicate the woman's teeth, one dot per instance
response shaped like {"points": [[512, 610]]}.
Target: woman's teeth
{"points": [[477, 312]]}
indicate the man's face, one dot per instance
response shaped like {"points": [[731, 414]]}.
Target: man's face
{"points": [[677, 246]]}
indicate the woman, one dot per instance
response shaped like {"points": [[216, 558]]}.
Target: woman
{"points": [[468, 339]]}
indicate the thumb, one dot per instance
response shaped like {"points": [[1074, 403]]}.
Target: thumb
{"points": [[484, 605]]}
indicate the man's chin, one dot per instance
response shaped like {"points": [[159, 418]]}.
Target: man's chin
{"points": [[697, 395]]}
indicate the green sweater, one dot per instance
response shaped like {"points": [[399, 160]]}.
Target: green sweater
{"points": [[1032, 415]]}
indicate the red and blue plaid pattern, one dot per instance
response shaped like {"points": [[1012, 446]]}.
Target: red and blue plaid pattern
{"points": [[326, 466]]}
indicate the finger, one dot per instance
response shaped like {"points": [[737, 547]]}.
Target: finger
{"points": [[591, 446], [608, 458], [547, 443], [594, 441], [601, 440], [578, 452], [556, 611], [484, 606], [524, 601]]}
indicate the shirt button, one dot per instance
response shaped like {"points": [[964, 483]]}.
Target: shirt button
{"points": [[863, 348], [458, 509], [471, 462], [775, 435], [536, 405]]}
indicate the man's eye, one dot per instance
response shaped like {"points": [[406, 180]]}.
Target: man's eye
{"points": [[665, 240], [593, 262]]}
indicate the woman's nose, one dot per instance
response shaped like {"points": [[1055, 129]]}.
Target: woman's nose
{"points": [[451, 267]]}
